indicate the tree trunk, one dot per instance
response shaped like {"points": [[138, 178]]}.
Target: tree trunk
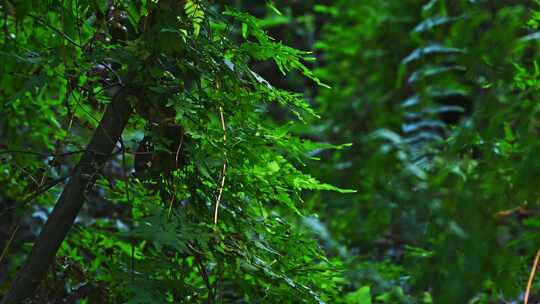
{"points": [[72, 198]]}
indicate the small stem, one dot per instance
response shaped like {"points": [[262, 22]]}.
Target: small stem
{"points": [[531, 277], [4, 252], [224, 171]]}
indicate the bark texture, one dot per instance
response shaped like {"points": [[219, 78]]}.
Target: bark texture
{"points": [[72, 198]]}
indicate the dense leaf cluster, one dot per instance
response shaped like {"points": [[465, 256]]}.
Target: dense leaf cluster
{"points": [[205, 215]]}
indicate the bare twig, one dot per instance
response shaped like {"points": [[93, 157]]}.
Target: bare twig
{"points": [[531, 277], [179, 148], [6, 248], [224, 170], [177, 157], [172, 201], [218, 200]]}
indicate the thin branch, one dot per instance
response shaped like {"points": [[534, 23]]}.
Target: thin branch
{"points": [[126, 182], [70, 111], [218, 200], [127, 151], [118, 78], [39, 192], [42, 154], [79, 104], [29, 175], [8, 244], [171, 202], [124, 168], [531, 277], [59, 32], [224, 170], [78, 19], [179, 148], [205, 277], [177, 157]]}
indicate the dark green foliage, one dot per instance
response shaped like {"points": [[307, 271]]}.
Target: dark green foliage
{"points": [[207, 216], [432, 103]]}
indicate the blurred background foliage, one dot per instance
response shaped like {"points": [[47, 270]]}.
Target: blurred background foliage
{"points": [[436, 104], [437, 98]]}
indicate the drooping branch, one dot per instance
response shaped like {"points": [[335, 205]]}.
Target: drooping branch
{"points": [[72, 198]]}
